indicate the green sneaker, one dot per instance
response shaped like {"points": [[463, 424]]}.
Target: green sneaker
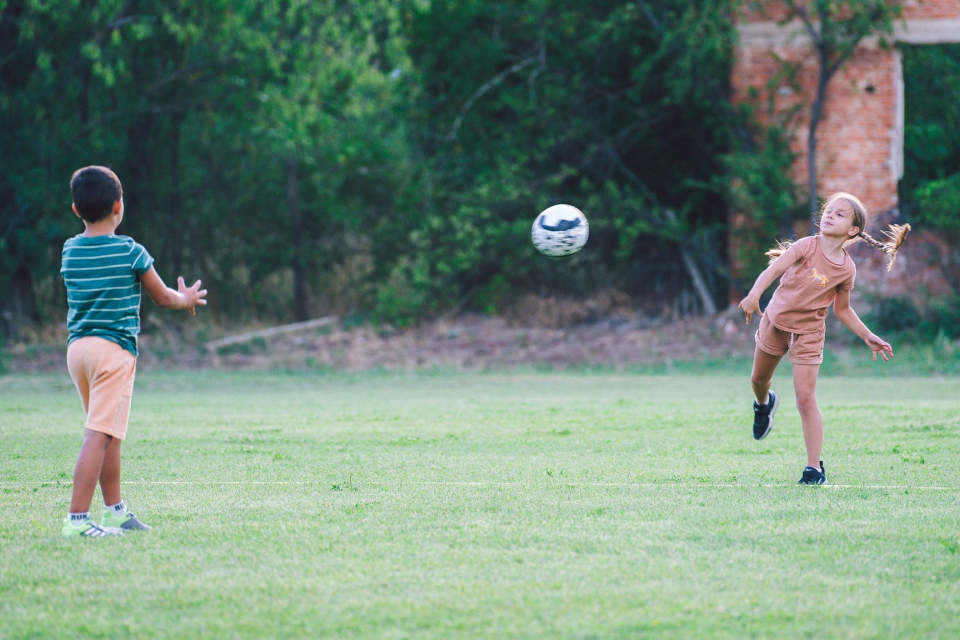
{"points": [[89, 529], [126, 522]]}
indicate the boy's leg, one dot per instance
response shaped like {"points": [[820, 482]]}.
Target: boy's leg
{"points": [[110, 473], [764, 365], [805, 383], [116, 515], [88, 469]]}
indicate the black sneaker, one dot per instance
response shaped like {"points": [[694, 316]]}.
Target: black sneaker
{"points": [[814, 476], [763, 416]]}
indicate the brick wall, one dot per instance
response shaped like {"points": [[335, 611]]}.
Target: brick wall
{"points": [[860, 135], [858, 131], [775, 10]]}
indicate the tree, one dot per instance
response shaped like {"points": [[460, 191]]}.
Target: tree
{"points": [[931, 132], [836, 29], [596, 104], [930, 189], [253, 139]]}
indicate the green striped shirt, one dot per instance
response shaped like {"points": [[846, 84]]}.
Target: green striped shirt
{"points": [[103, 291]]}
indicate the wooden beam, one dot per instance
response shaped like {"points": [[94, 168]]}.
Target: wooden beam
{"points": [[269, 333]]}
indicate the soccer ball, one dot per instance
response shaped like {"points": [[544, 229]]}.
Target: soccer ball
{"points": [[560, 231]]}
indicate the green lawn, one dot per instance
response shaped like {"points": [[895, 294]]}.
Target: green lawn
{"points": [[496, 505]]}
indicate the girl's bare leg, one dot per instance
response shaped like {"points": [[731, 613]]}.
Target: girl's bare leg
{"points": [[764, 365], [805, 384], [110, 473]]}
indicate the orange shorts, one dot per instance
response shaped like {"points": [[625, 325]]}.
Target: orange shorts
{"points": [[103, 373], [804, 348]]}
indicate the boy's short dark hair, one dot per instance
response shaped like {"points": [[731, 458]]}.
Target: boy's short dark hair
{"points": [[94, 190]]}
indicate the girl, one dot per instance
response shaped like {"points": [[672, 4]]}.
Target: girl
{"points": [[817, 271]]}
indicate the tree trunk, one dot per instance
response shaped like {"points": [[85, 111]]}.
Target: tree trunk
{"points": [[824, 73], [693, 270], [296, 240], [816, 115], [20, 308]]}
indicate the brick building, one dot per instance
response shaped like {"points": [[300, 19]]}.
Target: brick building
{"points": [[860, 137]]}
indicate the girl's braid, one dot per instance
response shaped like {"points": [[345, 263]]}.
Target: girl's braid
{"points": [[896, 234], [870, 240], [779, 250]]}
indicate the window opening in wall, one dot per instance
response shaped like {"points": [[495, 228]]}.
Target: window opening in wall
{"points": [[929, 191]]}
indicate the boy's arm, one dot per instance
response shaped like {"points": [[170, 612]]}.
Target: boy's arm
{"points": [[849, 317], [751, 304], [165, 297]]}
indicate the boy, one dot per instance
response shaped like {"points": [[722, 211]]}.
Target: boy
{"points": [[103, 274]]}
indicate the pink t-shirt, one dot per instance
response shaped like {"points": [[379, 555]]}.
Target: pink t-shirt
{"points": [[808, 288]]}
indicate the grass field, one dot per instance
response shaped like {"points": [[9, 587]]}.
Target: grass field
{"points": [[495, 506]]}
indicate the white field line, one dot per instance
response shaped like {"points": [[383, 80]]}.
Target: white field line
{"points": [[641, 485]]}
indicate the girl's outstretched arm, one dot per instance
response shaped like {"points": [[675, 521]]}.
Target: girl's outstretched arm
{"points": [[849, 317], [751, 304]]}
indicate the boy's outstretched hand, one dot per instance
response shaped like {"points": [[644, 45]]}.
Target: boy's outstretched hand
{"points": [[166, 298], [750, 306], [194, 295], [877, 345]]}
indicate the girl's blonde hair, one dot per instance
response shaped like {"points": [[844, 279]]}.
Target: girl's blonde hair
{"points": [[896, 233]]}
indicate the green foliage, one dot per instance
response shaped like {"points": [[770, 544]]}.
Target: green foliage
{"points": [[619, 108], [758, 181], [285, 152], [931, 76], [200, 107], [938, 204], [893, 315], [942, 317], [933, 318], [930, 188], [761, 187], [490, 297], [841, 26], [401, 298]]}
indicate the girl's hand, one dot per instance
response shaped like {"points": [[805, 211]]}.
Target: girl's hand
{"points": [[750, 306], [879, 346]]}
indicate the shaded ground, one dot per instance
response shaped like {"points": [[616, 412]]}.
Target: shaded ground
{"points": [[470, 343]]}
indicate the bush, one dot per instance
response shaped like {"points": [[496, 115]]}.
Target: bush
{"points": [[938, 203], [893, 315], [936, 318], [942, 318], [399, 300]]}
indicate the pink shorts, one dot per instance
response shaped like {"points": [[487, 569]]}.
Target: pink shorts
{"points": [[804, 348], [103, 373]]}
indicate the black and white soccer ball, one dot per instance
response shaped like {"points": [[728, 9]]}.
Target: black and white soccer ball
{"points": [[560, 231]]}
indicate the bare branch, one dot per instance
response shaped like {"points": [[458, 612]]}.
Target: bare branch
{"points": [[486, 86], [212, 347], [647, 12], [689, 261], [128, 19], [531, 79], [807, 23], [630, 174], [179, 73]]}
